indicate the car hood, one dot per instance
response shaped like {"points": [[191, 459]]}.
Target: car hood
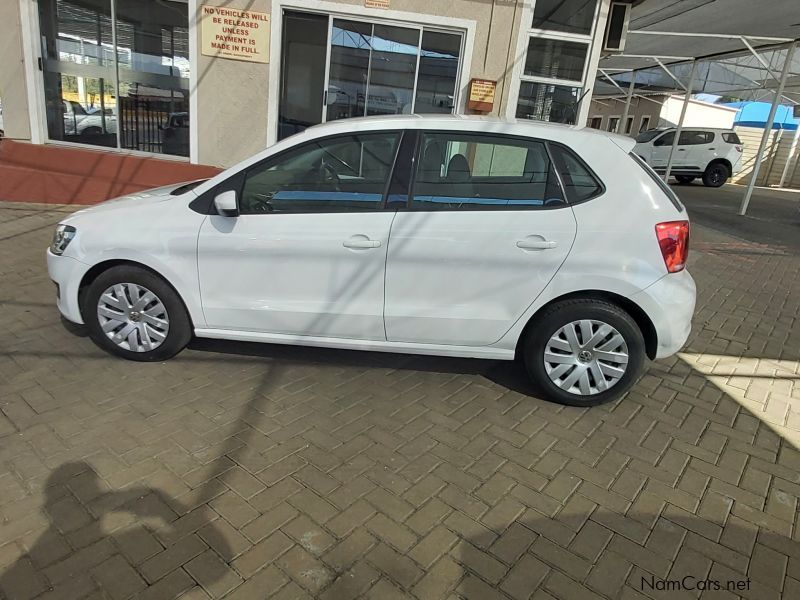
{"points": [[136, 200]]}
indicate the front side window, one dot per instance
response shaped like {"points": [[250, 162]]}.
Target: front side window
{"points": [[665, 140], [484, 172], [339, 174]]}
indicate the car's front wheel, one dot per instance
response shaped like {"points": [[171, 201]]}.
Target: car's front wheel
{"points": [[133, 313], [584, 352]]}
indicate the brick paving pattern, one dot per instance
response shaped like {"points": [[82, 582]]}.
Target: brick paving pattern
{"points": [[244, 471]]}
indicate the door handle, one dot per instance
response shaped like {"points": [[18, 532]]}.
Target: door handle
{"points": [[681, 149], [361, 241], [532, 244]]}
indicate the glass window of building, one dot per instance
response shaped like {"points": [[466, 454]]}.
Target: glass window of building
{"points": [[553, 74], [364, 69], [116, 73]]}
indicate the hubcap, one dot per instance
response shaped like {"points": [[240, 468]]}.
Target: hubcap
{"points": [[133, 317], [586, 357]]}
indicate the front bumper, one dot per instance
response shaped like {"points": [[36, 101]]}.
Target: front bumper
{"points": [[669, 303], [67, 273]]}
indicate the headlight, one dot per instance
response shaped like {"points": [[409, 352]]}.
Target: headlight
{"points": [[61, 239]]}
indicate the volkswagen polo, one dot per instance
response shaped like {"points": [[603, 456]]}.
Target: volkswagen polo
{"points": [[440, 235]]}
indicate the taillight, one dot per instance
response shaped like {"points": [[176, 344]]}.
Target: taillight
{"points": [[673, 239], [738, 148]]}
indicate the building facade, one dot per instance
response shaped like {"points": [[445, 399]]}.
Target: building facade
{"points": [[654, 111], [213, 81]]}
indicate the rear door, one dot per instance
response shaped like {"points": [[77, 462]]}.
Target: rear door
{"points": [[485, 229]]}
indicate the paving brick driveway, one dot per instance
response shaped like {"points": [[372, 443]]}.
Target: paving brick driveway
{"points": [[247, 471]]}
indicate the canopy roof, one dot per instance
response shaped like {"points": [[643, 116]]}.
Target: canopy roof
{"points": [[722, 34]]}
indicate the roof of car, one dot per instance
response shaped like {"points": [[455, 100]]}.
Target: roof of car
{"points": [[474, 122]]}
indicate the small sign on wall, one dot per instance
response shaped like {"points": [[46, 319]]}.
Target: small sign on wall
{"points": [[236, 34], [376, 3], [481, 95]]}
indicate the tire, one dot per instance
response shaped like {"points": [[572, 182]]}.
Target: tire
{"points": [[157, 329], [684, 179], [92, 130], [715, 175], [539, 340]]}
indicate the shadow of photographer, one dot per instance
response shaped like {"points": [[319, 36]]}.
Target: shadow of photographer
{"points": [[95, 535]]}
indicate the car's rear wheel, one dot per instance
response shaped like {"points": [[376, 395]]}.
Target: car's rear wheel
{"points": [[133, 313], [584, 352], [684, 179], [715, 175]]}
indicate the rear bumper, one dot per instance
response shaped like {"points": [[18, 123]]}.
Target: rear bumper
{"points": [[67, 274], [669, 303]]}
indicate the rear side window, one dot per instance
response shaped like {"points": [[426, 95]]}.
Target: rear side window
{"points": [[579, 182], [731, 138], [659, 182], [471, 171], [695, 138]]}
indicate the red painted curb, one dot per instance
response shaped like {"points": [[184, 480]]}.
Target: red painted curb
{"points": [[57, 175]]}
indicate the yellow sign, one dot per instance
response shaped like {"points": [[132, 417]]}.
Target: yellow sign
{"points": [[376, 3], [481, 95], [237, 34]]}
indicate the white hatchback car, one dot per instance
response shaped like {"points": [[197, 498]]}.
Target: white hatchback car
{"points": [[711, 154], [453, 236]]}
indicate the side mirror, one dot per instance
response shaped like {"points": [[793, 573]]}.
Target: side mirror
{"points": [[225, 203]]}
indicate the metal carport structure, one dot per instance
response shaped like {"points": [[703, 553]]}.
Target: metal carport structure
{"points": [[722, 47]]}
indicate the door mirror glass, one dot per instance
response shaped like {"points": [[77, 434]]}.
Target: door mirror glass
{"points": [[225, 203]]}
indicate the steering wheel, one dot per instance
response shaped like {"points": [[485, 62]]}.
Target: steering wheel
{"points": [[328, 174]]}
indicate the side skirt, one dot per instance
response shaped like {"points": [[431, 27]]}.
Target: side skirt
{"points": [[369, 345]]}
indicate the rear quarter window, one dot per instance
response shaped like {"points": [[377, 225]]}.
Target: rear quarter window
{"points": [[731, 138], [580, 183]]}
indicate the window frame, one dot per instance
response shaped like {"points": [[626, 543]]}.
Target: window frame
{"points": [[526, 32], [409, 205]]}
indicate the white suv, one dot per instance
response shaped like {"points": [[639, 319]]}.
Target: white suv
{"points": [[712, 154], [436, 235]]}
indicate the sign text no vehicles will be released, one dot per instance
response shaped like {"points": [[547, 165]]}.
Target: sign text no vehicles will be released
{"points": [[236, 34]]}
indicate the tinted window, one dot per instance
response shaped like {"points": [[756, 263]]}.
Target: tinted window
{"points": [[329, 175], [665, 140], [548, 102], [731, 138], [473, 171], [579, 182], [695, 138], [647, 135]]}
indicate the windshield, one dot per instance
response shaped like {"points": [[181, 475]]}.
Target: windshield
{"points": [[646, 136]]}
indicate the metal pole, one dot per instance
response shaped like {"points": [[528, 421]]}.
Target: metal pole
{"points": [[628, 102], [787, 63], [679, 128]]}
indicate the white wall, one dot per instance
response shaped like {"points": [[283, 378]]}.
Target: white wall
{"points": [[698, 114]]}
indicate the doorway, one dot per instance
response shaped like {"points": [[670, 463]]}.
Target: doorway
{"points": [[335, 68]]}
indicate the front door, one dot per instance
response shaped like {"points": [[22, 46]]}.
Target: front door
{"points": [[336, 68], [486, 230], [307, 254]]}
